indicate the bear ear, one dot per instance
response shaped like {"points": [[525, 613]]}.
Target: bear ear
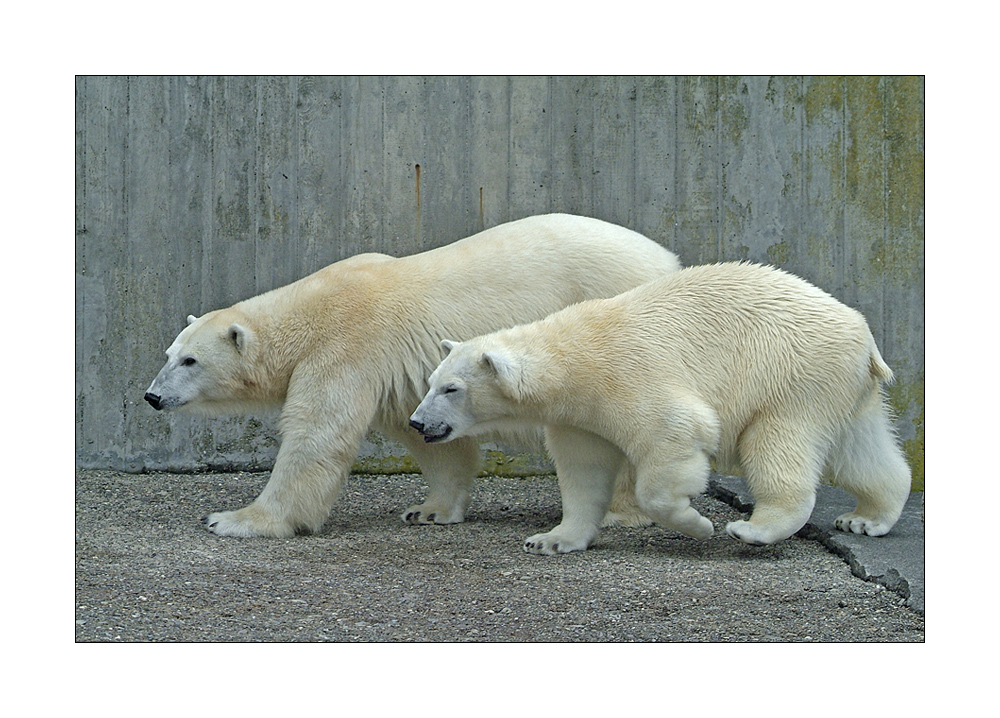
{"points": [[447, 345], [240, 336], [192, 318], [507, 373]]}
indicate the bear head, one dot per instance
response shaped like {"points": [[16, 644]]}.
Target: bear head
{"points": [[475, 390], [210, 366]]}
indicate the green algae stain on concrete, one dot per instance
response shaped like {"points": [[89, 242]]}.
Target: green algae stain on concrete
{"points": [[884, 174], [734, 109], [865, 151], [907, 401], [824, 97], [904, 141], [391, 464], [384, 456], [498, 463], [779, 254], [388, 457], [495, 463]]}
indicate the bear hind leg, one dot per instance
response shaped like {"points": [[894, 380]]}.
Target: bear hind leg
{"points": [[868, 462], [782, 469], [773, 520]]}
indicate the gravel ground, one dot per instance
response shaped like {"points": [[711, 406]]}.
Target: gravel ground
{"points": [[147, 571]]}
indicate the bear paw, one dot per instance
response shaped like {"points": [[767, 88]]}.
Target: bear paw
{"points": [[554, 542], [749, 533], [432, 513], [246, 523], [700, 528], [857, 524]]}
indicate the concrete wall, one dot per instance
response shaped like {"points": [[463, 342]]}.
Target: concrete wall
{"points": [[196, 192]]}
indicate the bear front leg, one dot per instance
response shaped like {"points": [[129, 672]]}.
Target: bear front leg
{"points": [[319, 443], [586, 466], [297, 498], [666, 480], [449, 470]]}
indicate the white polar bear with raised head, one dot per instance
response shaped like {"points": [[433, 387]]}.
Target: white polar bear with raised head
{"points": [[350, 348], [743, 362]]}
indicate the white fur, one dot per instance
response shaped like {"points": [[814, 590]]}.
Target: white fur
{"points": [[747, 364], [350, 347]]}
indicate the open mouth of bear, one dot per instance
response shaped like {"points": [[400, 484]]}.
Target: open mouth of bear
{"points": [[432, 438]]}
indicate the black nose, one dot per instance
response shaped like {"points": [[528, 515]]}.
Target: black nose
{"points": [[417, 425], [153, 400]]}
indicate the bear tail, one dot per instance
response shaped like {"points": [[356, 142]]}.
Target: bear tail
{"points": [[877, 366]]}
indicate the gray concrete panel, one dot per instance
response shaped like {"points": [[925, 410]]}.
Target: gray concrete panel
{"points": [[197, 192]]}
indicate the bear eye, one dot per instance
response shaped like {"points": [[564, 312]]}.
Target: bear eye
{"points": [[190, 361], [450, 389]]}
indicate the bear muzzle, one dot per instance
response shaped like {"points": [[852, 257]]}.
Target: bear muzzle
{"points": [[154, 400], [428, 434]]}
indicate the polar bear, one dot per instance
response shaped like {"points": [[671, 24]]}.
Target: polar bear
{"points": [[743, 362], [350, 347]]}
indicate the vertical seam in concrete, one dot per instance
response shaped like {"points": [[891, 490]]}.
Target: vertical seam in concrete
{"points": [[803, 201], [470, 181], [424, 102], [633, 181], [510, 140], [549, 128], [125, 441], [884, 95], [718, 169], [344, 203], [595, 195], [296, 140], [844, 138], [207, 232], [82, 159], [675, 241], [254, 199], [80, 373], [383, 245]]}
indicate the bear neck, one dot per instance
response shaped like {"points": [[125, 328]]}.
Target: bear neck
{"points": [[282, 339], [543, 376], [557, 391]]}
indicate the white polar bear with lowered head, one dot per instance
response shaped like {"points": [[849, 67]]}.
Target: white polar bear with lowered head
{"points": [[350, 347], [743, 362]]}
